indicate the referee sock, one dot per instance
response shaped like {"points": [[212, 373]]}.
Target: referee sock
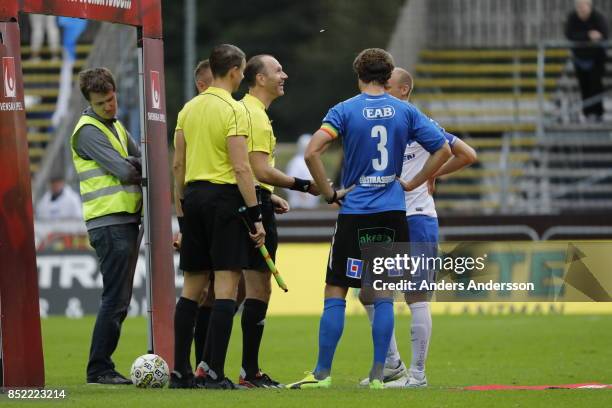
{"points": [[330, 331], [253, 320], [420, 331], [382, 329], [184, 319], [221, 320], [200, 332], [393, 355]]}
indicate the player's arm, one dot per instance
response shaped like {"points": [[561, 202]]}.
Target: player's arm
{"points": [[178, 170], [281, 206], [270, 175], [239, 159], [463, 155], [319, 143], [431, 166]]}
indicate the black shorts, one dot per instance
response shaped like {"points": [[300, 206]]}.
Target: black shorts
{"points": [[214, 237], [256, 260], [346, 265]]}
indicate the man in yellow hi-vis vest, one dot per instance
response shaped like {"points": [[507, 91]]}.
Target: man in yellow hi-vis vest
{"points": [[107, 162]]}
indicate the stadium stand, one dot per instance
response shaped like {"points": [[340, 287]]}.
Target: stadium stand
{"points": [[529, 161], [41, 79]]}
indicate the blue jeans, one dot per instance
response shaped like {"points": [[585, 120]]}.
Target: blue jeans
{"points": [[115, 247]]}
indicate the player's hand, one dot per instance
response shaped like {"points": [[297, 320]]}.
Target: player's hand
{"points": [[339, 195], [259, 237], [431, 185], [595, 35], [281, 206], [177, 243], [314, 189]]}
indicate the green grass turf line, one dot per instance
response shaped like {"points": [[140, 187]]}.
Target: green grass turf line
{"points": [[465, 350]]}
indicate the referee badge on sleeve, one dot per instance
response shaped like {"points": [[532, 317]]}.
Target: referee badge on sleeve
{"points": [[354, 267]]}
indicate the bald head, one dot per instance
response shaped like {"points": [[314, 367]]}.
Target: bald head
{"points": [[584, 8], [400, 84]]}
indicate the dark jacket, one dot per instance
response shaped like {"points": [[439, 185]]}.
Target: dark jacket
{"points": [[577, 30]]}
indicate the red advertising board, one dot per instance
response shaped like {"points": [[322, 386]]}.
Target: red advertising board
{"points": [[21, 342], [19, 303], [162, 269], [141, 13]]}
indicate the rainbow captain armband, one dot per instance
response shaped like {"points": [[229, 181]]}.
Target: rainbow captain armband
{"points": [[330, 130]]}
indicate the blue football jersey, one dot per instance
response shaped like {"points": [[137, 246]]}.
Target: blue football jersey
{"points": [[375, 130]]}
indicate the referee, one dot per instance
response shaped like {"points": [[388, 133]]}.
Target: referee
{"points": [[218, 181], [265, 78]]}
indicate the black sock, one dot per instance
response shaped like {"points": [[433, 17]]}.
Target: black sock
{"points": [[199, 334], [253, 318], [184, 319], [207, 344], [221, 320]]}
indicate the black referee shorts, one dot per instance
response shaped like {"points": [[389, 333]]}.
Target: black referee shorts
{"points": [[256, 260], [214, 237], [354, 231]]}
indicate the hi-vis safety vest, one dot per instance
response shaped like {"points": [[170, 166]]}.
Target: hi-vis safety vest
{"points": [[101, 192]]}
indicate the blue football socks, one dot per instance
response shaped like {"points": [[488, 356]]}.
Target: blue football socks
{"points": [[330, 331]]}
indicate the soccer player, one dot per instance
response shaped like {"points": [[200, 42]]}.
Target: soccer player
{"points": [[423, 225], [375, 130], [218, 181], [265, 78]]}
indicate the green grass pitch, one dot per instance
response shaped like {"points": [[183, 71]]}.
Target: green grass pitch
{"points": [[465, 350]]}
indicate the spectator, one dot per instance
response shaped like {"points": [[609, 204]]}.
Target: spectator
{"points": [[297, 168], [41, 23], [587, 25], [59, 202]]}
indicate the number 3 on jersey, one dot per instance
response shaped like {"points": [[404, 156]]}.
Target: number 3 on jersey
{"points": [[381, 163]]}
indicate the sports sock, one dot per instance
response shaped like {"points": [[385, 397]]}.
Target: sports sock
{"points": [[382, 329], [184, 319], [420, 330], [221, 320], [393, 356], [200, 332], [253, 320], [330, 331]]}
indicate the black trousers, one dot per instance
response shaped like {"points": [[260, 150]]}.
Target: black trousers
{"points": [[591, 84], [115, 247]]}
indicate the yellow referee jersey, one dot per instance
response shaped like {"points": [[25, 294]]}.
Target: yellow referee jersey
{"points": [[262, 137], [206, 123], [180, 119]]}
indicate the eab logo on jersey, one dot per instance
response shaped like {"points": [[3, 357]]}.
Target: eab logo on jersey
{"points": [[384, 112]]}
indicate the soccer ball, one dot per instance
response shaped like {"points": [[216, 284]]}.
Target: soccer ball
{"points": [[149, 371]]}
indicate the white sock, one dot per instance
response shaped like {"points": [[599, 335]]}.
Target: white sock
{"points": [[420, 330], [393, 356]]}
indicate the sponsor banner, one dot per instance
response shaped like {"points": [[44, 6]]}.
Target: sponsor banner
{"points": [[70, 285], [22, 346], [144, 13]]}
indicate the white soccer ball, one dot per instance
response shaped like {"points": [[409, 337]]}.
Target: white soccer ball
{"points": [[150, 371]]}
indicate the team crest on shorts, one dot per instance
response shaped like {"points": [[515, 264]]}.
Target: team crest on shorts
{"points": [[354, 268]]}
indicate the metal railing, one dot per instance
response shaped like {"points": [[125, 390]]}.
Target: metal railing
{"points": [[568, 102], [499, 23], [566, 128]]}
